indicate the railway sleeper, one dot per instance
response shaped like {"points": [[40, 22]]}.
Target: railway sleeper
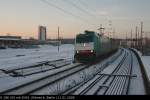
{"points": [[17, 73], [120, 75]]}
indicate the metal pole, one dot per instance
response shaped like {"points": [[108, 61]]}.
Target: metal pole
{"points": [[58, 39], [126, 40], [101, 29], [142, 37], [131, 39], [136, 37]]}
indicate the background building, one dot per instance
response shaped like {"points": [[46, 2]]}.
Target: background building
{"points": [[16, 42], [42, 33]]}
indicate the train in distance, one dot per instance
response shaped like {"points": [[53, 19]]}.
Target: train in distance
{"points": [[90, 46]]}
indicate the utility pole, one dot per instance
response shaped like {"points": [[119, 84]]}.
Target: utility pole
{"points": [[131, 39], [142, 37], [136, 36], [101, 29], [126, 40], [58, 38], [114, 33], [110, 28]]}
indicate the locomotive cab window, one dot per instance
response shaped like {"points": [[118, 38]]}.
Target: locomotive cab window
{"points": [[84, 39]]}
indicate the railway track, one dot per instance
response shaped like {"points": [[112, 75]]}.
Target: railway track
{"points": [[36, 68], [116, 82], [85, 75], [31, 86], [121, 81]]}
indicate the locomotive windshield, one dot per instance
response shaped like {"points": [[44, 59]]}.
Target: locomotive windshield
{"points": [[84, 39]]}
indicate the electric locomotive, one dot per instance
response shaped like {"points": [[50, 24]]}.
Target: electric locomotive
{"points": [[91, 45]]}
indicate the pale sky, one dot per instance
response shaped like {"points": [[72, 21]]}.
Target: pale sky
{"points": [[22, 17]]}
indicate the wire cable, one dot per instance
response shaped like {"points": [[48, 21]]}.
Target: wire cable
{"points": [[78, 7], [69, 13]]}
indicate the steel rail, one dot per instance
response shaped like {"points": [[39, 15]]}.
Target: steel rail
{"points": [[120, 84], [43, 81], [93, 83]]}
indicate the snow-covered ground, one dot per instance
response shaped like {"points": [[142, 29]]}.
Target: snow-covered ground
{"points": [[11, 81], [137, 83], [9, 59], [146, 62], [25, 57]]}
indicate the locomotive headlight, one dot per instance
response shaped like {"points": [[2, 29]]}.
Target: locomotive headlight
{"points": [[77, 51], [84, 44], [92, 51]]}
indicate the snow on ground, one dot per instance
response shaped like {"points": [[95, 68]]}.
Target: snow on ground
{"points": [[87, 73], [137, 84], [113, 65], [74, 79], [9, 58], [146, 62]]}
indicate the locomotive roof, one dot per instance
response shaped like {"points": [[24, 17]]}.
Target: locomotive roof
{"points": [[86, 33], [91, 33]]}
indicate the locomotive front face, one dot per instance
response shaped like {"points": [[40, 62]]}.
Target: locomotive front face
{"points": [[90, 46], [84, 44], [84, 47]]}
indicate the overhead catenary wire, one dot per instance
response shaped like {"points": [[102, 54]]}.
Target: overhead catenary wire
{"points": [[66, 12], [85, 5], [79, 8], [80, 1], [91, 9]]}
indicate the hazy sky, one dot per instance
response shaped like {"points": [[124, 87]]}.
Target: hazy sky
{"points": [[22, 17]]}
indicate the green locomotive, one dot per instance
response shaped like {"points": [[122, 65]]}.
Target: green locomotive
{"points": [[90, 45]]}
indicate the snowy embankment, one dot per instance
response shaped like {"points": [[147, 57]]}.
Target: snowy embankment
{"points": [[145, 68], [146, 62]]}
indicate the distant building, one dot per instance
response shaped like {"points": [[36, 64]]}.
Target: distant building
{"points": [[16, 42], [10, 37], [42, 33]]}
